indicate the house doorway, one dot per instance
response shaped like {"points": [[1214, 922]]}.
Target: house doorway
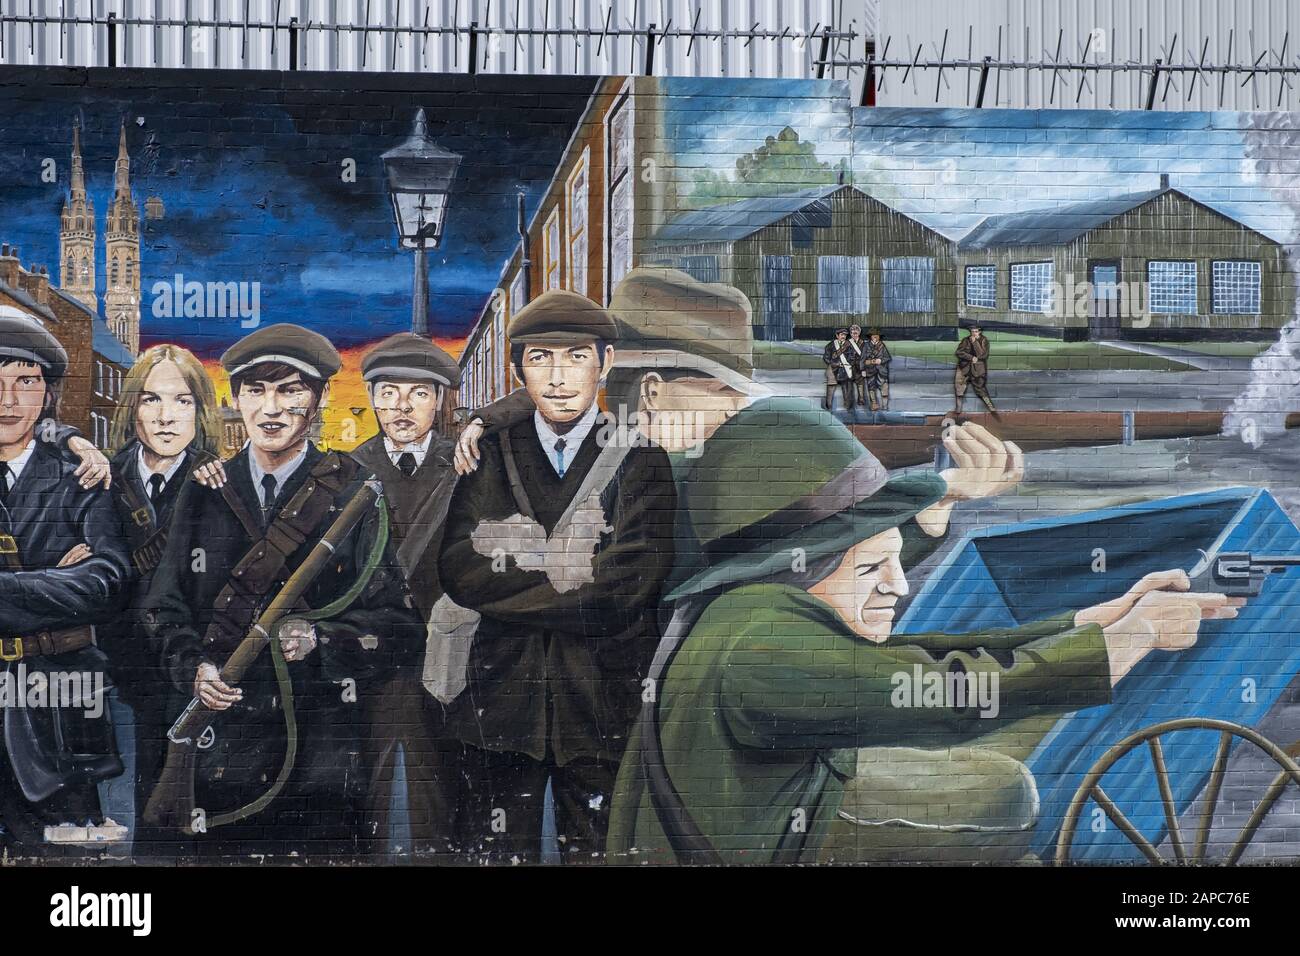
{"points": [[1104, 315], [778, 312]]}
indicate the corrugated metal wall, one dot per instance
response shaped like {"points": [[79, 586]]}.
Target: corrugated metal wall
{"points": [[165, 44], [1113, 31]]}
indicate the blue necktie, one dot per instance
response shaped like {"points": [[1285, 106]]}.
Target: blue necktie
{"points": [[559, 456]]}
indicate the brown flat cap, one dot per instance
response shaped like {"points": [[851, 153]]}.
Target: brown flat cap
{"points": [[24, 339], [307, 351], [560, 317], [676, 318], [407, 357]]}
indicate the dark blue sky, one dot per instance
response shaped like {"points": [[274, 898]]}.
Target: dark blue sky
{"points": [[251, 180]]}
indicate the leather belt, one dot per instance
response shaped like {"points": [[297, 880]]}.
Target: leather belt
{"points": [[46, 643]]}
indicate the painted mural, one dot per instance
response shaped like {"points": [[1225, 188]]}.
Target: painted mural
{"points": [[642, 471]]}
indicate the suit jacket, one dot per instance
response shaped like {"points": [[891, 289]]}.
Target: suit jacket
{"points": [[135, 670], [972, 356], [548, 669], [48, 512], [205, 542], [417, 507]]}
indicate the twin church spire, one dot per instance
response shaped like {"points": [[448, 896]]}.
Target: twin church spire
{"points": [[77, 236]]}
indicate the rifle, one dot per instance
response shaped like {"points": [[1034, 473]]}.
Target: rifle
{"points": [[1238, 573], [171, 805]]}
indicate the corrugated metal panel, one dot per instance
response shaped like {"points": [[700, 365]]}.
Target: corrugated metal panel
{"points": [[170, 44], [1111, 31]]}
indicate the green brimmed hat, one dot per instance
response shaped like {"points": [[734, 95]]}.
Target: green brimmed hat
{"points": [[784, 474]]}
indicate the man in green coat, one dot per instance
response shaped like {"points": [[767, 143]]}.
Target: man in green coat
{"points": [[789, 667]]}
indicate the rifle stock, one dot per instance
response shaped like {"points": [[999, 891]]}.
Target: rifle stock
{"points": [[171, 805]]}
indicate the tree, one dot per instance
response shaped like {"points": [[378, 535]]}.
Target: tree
{"points": [[783, 164]]}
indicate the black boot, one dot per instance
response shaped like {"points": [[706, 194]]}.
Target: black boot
{"points": [[828, 402]]}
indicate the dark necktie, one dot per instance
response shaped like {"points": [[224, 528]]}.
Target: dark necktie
{"points": [[155, 487], [406, 463], [4, 481], [268, 496], [560, 444]]}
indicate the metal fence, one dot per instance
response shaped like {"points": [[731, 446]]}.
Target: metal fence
{"points": [[794, 38]]}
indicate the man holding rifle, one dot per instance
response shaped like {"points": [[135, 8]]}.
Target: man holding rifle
{"points": [[282, 768]]}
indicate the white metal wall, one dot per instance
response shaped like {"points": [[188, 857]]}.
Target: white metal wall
{"points": [[1251, 32], [796, 23]]}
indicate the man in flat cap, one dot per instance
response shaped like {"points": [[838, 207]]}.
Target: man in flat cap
{"points": [[561, 540], [64, 568], [229, 552], [408, 378], [684, 365], [972, 368], [840, 370]]}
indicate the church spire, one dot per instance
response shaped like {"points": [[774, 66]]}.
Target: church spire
{"points": [[78, 172], [122, 171]]}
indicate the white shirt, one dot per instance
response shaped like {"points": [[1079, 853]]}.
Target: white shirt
{"points": [[417, 448], [573, 438], [17, 465], [143, 471], [281, 474]]}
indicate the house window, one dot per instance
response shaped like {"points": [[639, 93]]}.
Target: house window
{"points": [[981, 287], [801, 236], [551, 250], [1171, 287], [1235, 286], [908, 284], [1031, 287], [618, 192], [499, 336], [517, 293], [576, 209], [842, 284], [702, 268]]}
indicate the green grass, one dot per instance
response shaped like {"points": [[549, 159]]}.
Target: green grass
{"points": [[779, 357], [1012, 351]]}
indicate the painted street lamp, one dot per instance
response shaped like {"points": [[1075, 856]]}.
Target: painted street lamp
{"points": [[420, 175]]}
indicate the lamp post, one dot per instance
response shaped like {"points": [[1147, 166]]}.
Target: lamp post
{"points": [[420, 174]]}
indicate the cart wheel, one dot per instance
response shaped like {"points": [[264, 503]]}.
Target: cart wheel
{"points": [[1091, 788]]}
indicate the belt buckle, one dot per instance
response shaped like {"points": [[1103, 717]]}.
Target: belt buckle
{"points": [[17, 655], [140, 516], [8, 544]]}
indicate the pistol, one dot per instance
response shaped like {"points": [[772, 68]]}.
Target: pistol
{"points": [[1238, 573]]}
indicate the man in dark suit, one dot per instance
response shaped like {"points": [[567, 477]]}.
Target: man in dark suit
{"points": [[228, 553], [408, 378], [561, 540], [64, 569]]}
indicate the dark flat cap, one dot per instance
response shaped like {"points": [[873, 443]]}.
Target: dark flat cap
{"points": [[406, 357], [307, 351], [558, 317], [24, 339]]}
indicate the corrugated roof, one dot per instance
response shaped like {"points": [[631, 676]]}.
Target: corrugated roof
{"points": [[1053, 225], [736, 220]]}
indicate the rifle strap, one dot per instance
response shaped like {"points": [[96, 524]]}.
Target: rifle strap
{"points": [[512, 476], [257, 572], [688, 841], [285, 682]]}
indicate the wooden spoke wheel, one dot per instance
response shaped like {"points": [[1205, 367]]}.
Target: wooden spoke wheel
{"points": [[1091, 788]]}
